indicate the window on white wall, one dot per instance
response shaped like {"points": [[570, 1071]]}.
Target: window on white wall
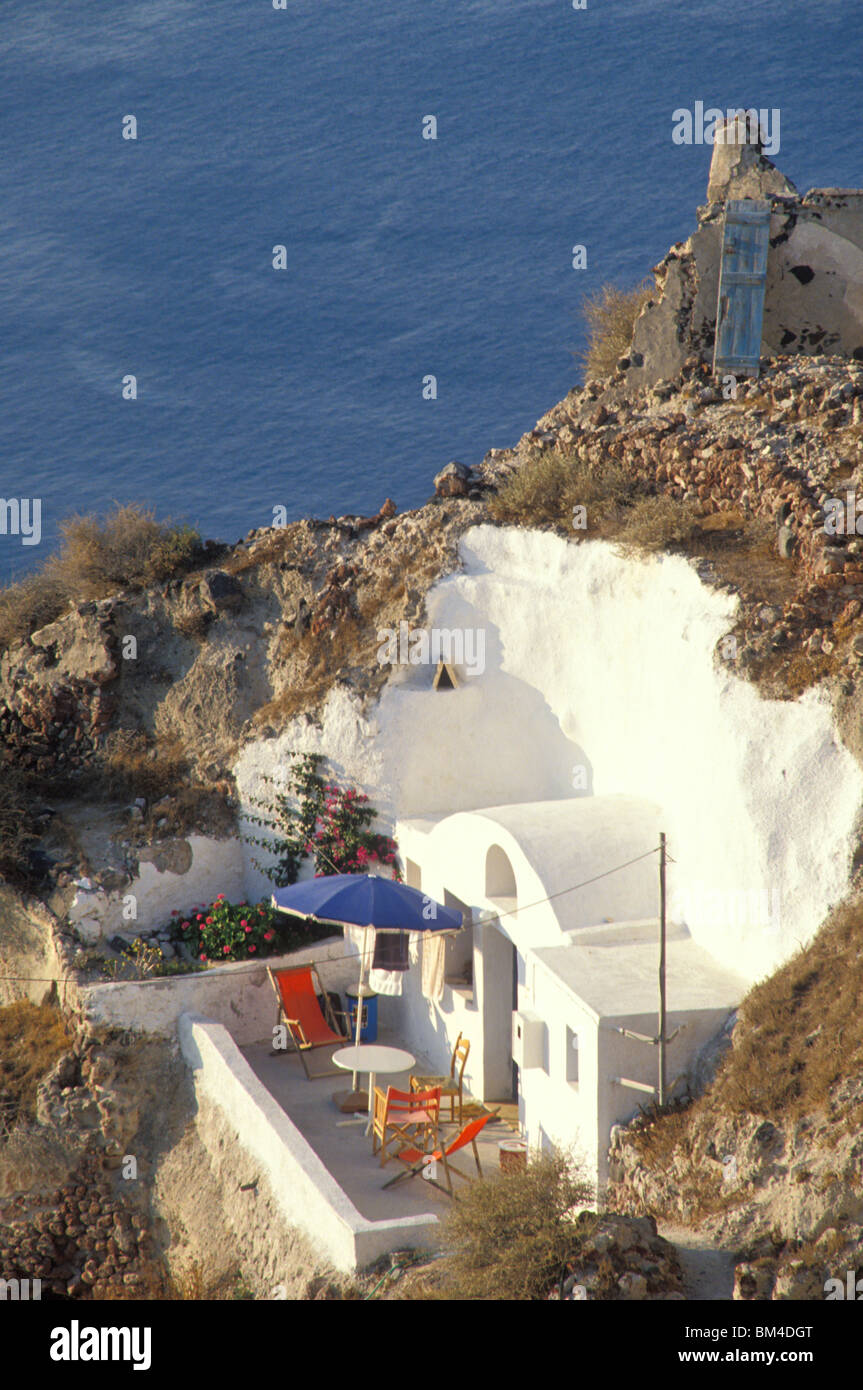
{"points": [[458, 951], [572, 1056], [413, 874], [499, 874]]}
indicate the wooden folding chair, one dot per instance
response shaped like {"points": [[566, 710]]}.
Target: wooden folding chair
{"points": [[421, 1161], [452, 1086], [402, 1118], [297, 989]]}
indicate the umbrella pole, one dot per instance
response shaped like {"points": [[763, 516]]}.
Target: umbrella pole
{"points": [[359, 1027]]}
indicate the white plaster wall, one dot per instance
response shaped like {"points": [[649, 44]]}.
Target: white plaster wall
{"points": [[581, 1116], [619, 1056], [607, 662], [218, 866], [567, 1113], [552, 846]]}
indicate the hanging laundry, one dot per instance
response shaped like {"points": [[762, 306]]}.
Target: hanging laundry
{"points": [[391, 951], [434, 947]]}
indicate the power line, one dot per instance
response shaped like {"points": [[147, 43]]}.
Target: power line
{"points": [[351, 955], [514, 911]]}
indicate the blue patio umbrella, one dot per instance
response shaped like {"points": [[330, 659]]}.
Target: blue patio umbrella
{"points": [[369, 901]]}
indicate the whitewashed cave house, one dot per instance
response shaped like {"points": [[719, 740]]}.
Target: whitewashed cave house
{"points": [[598, 662], [551, 985]]}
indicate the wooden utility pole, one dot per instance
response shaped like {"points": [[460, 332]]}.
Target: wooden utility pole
{"points": [[662, 1039], [661, 1091]]}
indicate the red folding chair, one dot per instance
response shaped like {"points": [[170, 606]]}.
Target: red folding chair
{"points": [[443, 1155], [297, 989], [404, 1117]]}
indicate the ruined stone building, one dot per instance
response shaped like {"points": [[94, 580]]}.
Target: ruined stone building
{"points": [[813, 298]]}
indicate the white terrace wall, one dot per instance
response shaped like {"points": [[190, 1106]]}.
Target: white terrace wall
{"points": [[307, 1193], [238, 996], [606, 664]]}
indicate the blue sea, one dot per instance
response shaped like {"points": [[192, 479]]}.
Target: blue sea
{"points": [[406, 257]]}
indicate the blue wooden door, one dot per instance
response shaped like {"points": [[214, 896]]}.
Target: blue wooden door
{"points": [[743, 268]]}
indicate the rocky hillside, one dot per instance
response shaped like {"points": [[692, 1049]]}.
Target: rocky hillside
{"points": [[768, 1161], [189, 669]]}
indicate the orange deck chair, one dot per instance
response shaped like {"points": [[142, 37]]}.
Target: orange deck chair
{"points": [[419, 1160], [297, 989], [402, 1118]]}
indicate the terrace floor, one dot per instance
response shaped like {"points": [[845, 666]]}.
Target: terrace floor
{"points": [[345, 1149]]}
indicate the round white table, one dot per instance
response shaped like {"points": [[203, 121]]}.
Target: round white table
{"points": [[373, 1058]]}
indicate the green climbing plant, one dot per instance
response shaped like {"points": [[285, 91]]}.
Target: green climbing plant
{"points": [[316, 819]]}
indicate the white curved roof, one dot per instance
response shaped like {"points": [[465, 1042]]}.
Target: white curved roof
{"points": [[552, 846]]}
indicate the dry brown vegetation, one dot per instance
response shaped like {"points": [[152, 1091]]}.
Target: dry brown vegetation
{"points": [[128, 548], [192, 1284], [511, 1237], [194, 624], [803, 1028], [611, 315], [553, 482], [743, 551], [32, 1037], [131, 765], [655, 523], [17, 831], [800, 1034]]}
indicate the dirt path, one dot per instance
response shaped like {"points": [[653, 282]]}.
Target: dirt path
{"points": [[708, 1272]]}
